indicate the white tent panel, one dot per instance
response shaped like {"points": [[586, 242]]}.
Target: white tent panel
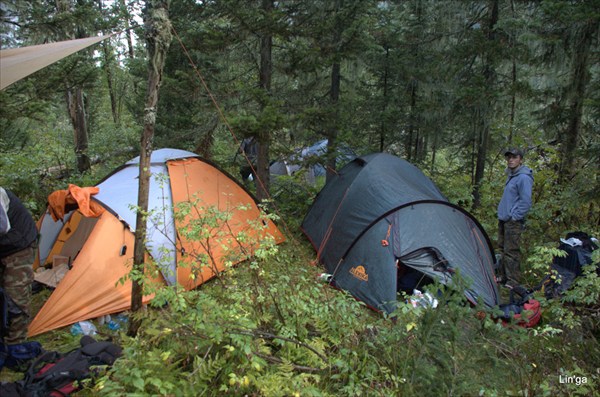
{"points": [[119, 192]]}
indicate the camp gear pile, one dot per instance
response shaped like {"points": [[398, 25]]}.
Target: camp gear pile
{"points": [[56, 374], [578, 247], [522, 310]]}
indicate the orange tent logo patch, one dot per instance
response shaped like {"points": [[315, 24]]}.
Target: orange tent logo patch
{"points": [[360, 273]]}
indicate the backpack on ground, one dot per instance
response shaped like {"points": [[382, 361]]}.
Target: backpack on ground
{"points": [[56, 374], [18, 356], [564, 270], [524, 310]]}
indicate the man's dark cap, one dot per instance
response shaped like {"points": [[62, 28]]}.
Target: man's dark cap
{"points": [[514, 152]]}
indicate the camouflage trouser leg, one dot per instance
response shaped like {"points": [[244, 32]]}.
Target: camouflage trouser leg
{"points": [[509, 242], [16, 277]]}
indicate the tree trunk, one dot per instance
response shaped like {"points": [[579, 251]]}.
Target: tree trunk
{"points": [[128, 31], [107, 53], [76, 106], [107, 64], [489, 75], [75, 103], [382, 132], [433, 153], [513, 98], [334, 96], [264, 138], [513, 103], [332, 131], [158, 39], [423, 147], [206, 142], [413, 135], [482, 144], [580, 77]]}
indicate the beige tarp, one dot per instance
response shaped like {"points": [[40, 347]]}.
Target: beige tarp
{"points": [[17, 63]]}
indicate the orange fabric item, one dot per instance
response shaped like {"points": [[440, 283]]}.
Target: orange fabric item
{"points": [[60, 200], [91, 288]]}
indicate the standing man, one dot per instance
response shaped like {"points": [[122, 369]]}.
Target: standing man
{"points": [[249, 148], [18, 237], [512, 210]]}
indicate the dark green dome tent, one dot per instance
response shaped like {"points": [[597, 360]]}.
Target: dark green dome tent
{"points": [[380, 213]]}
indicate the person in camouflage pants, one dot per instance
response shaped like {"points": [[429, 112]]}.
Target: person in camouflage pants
{"points": [[18, 239], [512, 211], [16, 275], [509, 243]]}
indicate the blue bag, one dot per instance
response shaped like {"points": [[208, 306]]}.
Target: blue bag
{"points": [[19, 355]]}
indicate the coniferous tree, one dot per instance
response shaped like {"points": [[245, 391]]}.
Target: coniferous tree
{"points": [[488, 103]]}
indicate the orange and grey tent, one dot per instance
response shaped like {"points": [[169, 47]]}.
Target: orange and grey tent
{"points": [[200, 221]]}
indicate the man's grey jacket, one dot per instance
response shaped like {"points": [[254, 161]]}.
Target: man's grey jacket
{"points": [[516, 199]]}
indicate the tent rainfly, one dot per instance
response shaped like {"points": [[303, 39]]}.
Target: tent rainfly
{"points": [[91, 229], [380, 219], [312, 155]]}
